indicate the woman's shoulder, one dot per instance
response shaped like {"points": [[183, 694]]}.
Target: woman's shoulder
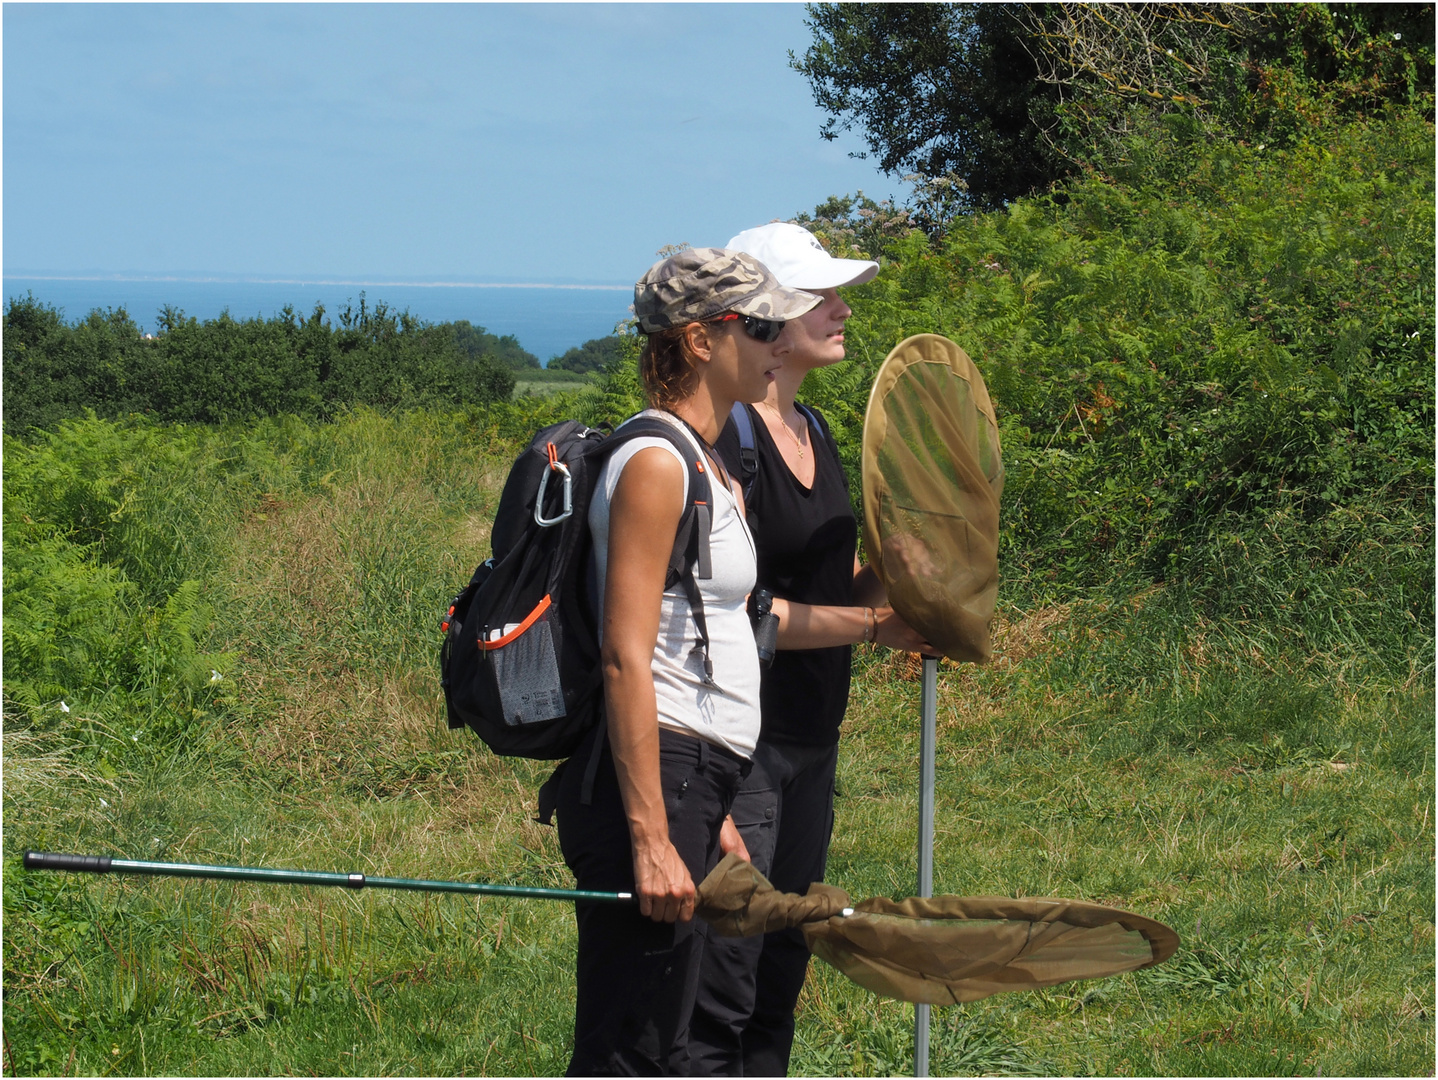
{"points": [[652, 458], [653, 462]]}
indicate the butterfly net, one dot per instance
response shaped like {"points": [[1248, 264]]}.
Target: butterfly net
{"points": [[943, 949], [932, 476]]}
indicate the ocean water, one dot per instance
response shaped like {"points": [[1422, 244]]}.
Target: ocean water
{"points": [[547, 319]]}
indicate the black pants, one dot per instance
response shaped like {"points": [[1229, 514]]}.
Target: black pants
{"points": [[636, 978], [743, 1019]]}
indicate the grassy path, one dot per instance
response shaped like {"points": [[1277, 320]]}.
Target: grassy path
{"points": [[1277, 811]]}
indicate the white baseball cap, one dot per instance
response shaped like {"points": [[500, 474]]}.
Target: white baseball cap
{"points": [[794, 255]]}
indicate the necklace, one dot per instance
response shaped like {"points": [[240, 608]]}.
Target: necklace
{"points": [[787, 429]]}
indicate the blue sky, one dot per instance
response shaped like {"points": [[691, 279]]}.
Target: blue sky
{"points": [[475, 142]]}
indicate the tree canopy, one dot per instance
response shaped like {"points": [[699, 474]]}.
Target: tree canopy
{"points": [[1004, 100], [594, 355], [476, 341], [935, 89]]}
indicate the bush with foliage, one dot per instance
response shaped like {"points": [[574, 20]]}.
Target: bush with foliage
{"points": [[224, 369], [114, 532], [105, 534], [594, 355], [477, 343], [1219, 375]]}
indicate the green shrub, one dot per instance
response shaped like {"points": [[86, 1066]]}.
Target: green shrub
{"points": [[1222, 381], [594, 355], [109, 533], [222, 369]]}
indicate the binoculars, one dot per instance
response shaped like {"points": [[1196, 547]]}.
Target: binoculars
{"points": [[766, 626]]}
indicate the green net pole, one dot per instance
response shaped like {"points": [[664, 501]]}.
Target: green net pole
{"points": [[105, 864]]}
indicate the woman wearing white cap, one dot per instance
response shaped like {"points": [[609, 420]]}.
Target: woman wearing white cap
{"points": [[806, 536]]}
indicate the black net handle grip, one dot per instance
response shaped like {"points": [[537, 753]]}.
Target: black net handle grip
{"points": [[50, 860]]}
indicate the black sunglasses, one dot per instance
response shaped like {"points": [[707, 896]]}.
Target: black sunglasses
{"points": [[765, 330]]}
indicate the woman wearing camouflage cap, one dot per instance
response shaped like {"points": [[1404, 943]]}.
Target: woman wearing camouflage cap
{"points": [[677, 740], [799, 511]]}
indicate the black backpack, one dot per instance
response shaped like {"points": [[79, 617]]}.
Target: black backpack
{"points": [[520, 658]]}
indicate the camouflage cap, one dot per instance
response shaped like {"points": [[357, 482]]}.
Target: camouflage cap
{"points": [[700, 283]]}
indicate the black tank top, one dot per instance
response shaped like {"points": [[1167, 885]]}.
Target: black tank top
{"points": [[806, 541]]}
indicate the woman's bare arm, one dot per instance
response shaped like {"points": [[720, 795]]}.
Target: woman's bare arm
{"points": [[868, 589], [811, 626], [643, 518], [806, 626]]}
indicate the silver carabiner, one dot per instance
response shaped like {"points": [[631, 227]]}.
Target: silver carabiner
{"points": [[539, 518]]}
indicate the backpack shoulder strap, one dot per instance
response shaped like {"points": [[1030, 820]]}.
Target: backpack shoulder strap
{"points": [[817, 425], [697, 517], [748, 453], [689, 559], [820, 427]]}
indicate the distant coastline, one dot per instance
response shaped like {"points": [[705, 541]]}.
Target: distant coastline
{"points": [[346, 282]]}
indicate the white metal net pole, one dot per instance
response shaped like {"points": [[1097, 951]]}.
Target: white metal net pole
{"points": [[929, 709]]}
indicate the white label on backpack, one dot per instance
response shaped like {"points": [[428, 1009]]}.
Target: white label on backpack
{"points": [[528, 676]]}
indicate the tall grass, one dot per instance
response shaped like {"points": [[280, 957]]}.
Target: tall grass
{"points": [[1274, 806], [1212, 700]]}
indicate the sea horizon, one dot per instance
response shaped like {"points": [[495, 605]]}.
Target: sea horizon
{"points": [[547, 317]]}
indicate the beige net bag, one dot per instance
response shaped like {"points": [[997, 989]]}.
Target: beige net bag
{"points": [[932, 476], [944, 949]]}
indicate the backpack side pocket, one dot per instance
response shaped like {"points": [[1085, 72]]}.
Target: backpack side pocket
{"points": [[526, 668]]}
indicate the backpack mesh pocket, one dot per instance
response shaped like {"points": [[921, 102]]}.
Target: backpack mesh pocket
{"points": [[526, 670]]}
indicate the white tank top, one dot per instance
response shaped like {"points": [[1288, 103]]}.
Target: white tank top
{"points": [[726, 713]]}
